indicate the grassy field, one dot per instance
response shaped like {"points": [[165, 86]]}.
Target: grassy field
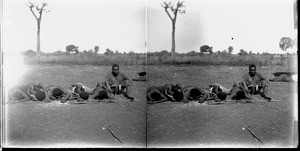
{"points": [[160, 125]]}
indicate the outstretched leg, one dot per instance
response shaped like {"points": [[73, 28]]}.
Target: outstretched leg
{"points": [[127, 85], [265, 87], [17, 95]]}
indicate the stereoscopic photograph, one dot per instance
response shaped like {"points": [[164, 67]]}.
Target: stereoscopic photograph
{"points": [[149, 74]]}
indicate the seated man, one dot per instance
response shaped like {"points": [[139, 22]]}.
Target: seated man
{"points": [[118, 83], [195, 93], [167, 92], [253, 82], [28, 92]]}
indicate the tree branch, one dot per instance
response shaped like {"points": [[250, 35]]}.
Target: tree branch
{"points": [[30, 7], [166, 10], [166, 6]]}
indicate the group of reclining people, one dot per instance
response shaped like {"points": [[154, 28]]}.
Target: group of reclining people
{"points": [[116, 83], [253, 83]]}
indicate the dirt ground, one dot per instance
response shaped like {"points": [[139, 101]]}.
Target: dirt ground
{"points": [[202, 125], [136, 124]]}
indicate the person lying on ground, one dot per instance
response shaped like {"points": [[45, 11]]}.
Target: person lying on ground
{"points": [[118, 83], [240, 94], [194, 93], [101, 94], [28, 92], [285, 78], [253, 82], [167, 92], [220, 93], [59, 93], [97, 93], [77, 91]]}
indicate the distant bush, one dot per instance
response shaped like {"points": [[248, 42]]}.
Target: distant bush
{"points": [[29, 53], [72, 48]]}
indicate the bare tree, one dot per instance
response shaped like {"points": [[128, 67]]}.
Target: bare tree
{"points": [[174, 9], [37, 13]]}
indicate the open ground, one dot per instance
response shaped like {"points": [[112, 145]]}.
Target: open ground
{"points": [[136, 124]]}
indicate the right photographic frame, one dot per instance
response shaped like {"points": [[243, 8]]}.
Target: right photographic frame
{"points": [[222, 74]]}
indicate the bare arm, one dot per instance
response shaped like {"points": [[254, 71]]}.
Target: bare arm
{"points": [[204, 97], [108, 86], [47, 98], [184, 99], [244, 86]]}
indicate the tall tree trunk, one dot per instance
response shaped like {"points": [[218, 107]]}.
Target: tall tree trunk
{"points": [[38, 46], [173, 42]]}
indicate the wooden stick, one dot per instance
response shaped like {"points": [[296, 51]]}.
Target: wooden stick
{"points": [[253, 134], [113, 134]]}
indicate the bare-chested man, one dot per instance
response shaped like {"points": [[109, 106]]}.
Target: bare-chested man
{"points": [[253, 82], [118, 83]]}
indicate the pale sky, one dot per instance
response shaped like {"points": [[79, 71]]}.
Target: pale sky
{"points": [[123, 25]]}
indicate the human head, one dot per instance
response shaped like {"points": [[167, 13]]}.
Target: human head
{"points": [[155, 95], [195, 93], [177, 93], [84, 95], [40, 95], [115, 69], [252, 69], [38, 92], [178, 96], [56, 92], [221, 96]]}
